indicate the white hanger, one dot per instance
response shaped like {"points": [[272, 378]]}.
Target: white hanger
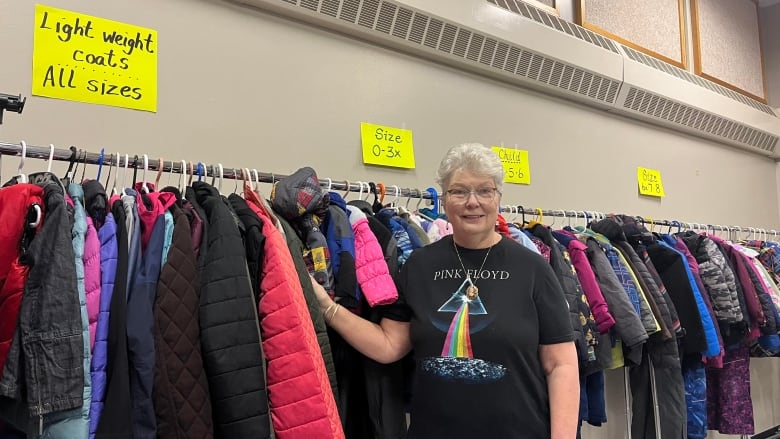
{"points": [[360, 194], [181, 176], [51, 157], [221, 171], [22, 176], [38, 216], [124, 173], [144, 186], [394, 203]]}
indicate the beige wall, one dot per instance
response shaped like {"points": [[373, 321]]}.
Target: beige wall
{"points": [[245, 88], [770, 40]]}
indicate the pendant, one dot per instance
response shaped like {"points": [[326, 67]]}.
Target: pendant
{"points": [[472, 292]]}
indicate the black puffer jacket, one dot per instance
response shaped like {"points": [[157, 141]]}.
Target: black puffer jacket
{"points": [[570, 285], [229, 331]]}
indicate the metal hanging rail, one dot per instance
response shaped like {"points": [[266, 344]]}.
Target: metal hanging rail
{"points": [[188, 168], [588, 215], [234, 173]]}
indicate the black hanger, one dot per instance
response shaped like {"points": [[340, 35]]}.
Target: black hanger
{"points": [[135, 169], [108, 176], [84, 167], [522, 213], [71, 160]]}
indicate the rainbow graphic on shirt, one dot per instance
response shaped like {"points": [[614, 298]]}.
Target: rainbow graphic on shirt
{"points": [[458, 340], [457, 362]]}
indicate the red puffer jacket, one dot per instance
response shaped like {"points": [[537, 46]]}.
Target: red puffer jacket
{"points": [[14, 203], [299, 393]]}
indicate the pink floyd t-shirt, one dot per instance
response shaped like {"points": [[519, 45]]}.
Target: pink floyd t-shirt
{"points": [[476, 336]]}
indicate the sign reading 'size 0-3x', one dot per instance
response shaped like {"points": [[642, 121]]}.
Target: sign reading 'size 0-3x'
{"points": [[387, 146]]}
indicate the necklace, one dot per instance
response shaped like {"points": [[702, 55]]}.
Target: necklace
{"points": [[472, 291]]}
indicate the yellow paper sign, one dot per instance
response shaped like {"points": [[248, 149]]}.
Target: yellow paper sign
{"points": [[516, 167], [387, 146], [89, 59], [649, 181]]}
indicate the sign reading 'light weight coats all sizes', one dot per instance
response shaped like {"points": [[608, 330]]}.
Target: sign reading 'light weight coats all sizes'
{"points": [[82, 58]]}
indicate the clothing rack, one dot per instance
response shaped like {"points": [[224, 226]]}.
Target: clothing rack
{"points": [[202, 170], [589, 215], [215, 171]]}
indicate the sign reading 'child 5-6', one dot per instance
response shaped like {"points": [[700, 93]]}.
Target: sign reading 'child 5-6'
{"points": [[516, 167], [89, 59], [387, 146]]}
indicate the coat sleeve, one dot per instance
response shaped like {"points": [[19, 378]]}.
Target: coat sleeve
{"points": [[627, 322], [372, 271]]}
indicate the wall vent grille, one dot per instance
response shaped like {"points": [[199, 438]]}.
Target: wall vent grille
{"points": [[657, 106], [412, 26]]}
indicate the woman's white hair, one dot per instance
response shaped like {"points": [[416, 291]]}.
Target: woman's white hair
{"points": [[471, 157]]}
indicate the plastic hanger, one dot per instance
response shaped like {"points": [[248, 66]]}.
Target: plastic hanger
{"points": [[382, 191], [200, 171], [144, 186], [135, 170], [360, 192], [419, 200], [51, 157], [78, 162], [396, 195], [101, 157], [408, 198], [22, 176], [83, 165], [182, 174], [369, 191], [435, 199], [235, 179], [192, 174], [71, 160], [124, 175], [330, 184], [346, 189], [257, 180], [221, 171], [160, 164], [245, 174]]}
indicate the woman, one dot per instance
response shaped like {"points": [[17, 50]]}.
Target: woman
{"points": [[486, 318]]}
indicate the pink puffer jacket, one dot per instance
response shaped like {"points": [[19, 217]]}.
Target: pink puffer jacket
{"points": [[372, 272], [92, 279]]}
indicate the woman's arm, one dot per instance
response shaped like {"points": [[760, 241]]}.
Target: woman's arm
{"points": [[559, 362], [385, 342]]}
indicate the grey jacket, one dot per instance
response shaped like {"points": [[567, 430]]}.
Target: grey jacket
{"points": [[716, 275], [627, 324]]}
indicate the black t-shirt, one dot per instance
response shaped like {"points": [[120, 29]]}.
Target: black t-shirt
{"points": [[478, 369]]}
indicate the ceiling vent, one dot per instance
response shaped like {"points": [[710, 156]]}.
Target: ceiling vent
{"points": [[517, 43]]}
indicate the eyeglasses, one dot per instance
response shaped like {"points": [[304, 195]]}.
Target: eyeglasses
{"points": [[484, 194]]}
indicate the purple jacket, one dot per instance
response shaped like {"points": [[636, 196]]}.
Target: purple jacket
{"points": [[108, 259]]}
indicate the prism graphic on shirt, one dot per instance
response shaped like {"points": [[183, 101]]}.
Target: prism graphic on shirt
{"points": [[457, 360]]}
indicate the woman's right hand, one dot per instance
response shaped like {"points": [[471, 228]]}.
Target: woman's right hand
{"points": [[323, 298]]}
